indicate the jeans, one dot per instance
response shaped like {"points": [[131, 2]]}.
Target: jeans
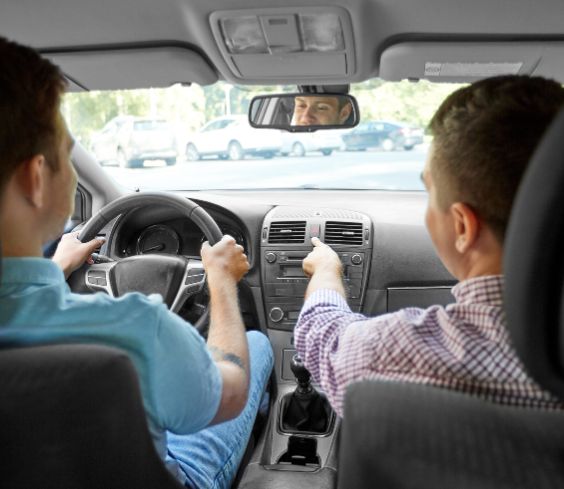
{"points": [[210, 458]]}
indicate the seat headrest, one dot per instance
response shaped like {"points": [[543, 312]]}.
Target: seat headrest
{"points": [[534, 263]]}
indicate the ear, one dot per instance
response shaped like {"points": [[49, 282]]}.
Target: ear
{"points": [[31, 177], [466, 226], [345, 113]]}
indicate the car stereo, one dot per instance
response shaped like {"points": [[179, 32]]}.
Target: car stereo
{"points": [[286, 242]]}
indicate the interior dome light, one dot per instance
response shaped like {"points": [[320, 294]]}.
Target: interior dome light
{"points": [[321, 32], [243, 35]]}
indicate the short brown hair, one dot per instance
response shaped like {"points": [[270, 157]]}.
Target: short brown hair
{"points": [[484, 136], [31, 88]]}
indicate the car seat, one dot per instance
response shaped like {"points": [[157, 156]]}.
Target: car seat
{"points": [[72, 417], [401, 435]]}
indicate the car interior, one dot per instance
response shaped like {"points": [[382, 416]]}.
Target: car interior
{"points": [[74, 412]]}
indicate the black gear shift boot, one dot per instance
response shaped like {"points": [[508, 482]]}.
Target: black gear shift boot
{"points": [[305, 410], [310, 414]]}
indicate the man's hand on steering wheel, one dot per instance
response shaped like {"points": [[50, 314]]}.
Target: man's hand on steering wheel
{"points": [[225, 260], [72, 253]]}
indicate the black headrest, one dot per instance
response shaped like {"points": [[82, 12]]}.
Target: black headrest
{"points": [[533, 263]]}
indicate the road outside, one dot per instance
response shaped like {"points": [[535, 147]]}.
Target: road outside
{"points": [[342, 169]]}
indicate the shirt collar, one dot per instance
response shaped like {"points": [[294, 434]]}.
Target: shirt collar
{"points": [[30, 270], [480, 290]]}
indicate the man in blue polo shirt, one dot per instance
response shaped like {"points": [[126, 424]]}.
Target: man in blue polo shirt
{"points": [[187, 385]]}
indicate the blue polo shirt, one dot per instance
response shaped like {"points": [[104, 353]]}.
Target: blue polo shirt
{"points": [[180, 383]]}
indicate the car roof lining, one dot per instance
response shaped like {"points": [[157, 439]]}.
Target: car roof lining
{"points": [[61, 26]]}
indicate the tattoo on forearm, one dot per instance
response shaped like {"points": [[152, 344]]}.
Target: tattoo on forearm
{"points": [[219, 354]]}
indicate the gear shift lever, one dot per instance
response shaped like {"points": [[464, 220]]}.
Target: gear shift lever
{"points": [[305, 410], [302, 375]]}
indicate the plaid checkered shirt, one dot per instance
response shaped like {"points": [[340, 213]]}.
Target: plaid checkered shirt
{"points": [[464, 346]]}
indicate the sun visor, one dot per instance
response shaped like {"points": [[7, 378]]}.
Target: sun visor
{"points": [[286, 45], [470, 61], [73, 87], [113, 69]]}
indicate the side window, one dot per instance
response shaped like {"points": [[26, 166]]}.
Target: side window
{"points": [[109, 128], [378, 127], [224, 123], [229, 123], [212, 126], [120, 124]]}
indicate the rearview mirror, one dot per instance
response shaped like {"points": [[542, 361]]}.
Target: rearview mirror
{"points": [[304, 112]]}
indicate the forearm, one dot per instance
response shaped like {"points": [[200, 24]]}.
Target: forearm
{"points": [[319, 340], [326, 279], [226, 337], [64, 264]]}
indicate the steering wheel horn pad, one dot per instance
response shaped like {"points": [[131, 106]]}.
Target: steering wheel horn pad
{"points": [[149, 274]]}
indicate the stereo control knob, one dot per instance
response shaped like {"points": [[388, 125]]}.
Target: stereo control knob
{"points": [[270, 257], [356, 259], [276, 314]]}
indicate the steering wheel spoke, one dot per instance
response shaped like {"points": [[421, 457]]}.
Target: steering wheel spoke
{"points": [[193, 283], [97, 278]]}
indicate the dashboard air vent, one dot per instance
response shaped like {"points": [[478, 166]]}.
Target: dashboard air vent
{"points": [[287, 232], [343, 233]]}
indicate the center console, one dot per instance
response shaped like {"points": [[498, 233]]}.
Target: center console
{"points": [[299, 446]]}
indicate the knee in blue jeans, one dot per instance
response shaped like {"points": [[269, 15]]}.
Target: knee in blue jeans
{"points": [[259, 346]]}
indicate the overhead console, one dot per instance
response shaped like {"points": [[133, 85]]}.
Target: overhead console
{"points": [[305, 45], [286, 241]]}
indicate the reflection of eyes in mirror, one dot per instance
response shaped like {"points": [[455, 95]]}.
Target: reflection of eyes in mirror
{"points": [[321, 111]]}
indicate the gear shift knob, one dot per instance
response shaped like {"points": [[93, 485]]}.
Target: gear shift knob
{"points": [[301, 373]]}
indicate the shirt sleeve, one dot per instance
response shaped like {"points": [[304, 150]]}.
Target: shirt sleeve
{"points": [[339, 346], [185, 382]]}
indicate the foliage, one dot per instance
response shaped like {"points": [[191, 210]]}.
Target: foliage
{"points": [[190, 107], [413, 103]]}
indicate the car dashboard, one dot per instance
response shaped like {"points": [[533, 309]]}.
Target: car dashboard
{"points": [[389, 261]]}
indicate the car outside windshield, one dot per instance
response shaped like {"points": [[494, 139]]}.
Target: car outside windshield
{"points": [[199, 138]]}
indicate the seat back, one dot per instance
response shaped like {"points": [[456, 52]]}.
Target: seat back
{"points": [[72, 417], [406, 436], [534, 264], [398, 435]]}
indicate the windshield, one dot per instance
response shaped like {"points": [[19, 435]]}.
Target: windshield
{"points": [[198, 138]]}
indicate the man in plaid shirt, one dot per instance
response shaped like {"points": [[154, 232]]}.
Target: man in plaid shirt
{"points": [[484, 137]]}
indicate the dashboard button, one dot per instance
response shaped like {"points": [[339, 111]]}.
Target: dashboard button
{"points": [[270, 257], [276, 314], [356, 259]]}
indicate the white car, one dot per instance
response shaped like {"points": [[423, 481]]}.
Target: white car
{"points": [[232, 137], [300, 143], [130, 141]]}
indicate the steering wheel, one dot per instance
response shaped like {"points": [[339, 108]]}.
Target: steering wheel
{"points": [[174, 277]]}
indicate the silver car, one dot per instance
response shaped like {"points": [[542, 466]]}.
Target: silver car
{"points": [[130, 141]]}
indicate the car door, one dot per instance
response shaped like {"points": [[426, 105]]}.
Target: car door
{"points": [[102, 142], [209, 140], [376, 134]]}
